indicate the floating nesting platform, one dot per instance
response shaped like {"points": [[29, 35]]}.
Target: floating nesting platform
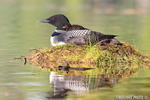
{"points": [[99, 56]]}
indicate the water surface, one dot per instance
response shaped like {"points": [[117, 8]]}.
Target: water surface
{"points": [[19, 32]]}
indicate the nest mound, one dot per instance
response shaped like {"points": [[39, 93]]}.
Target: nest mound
{"points": [[114, 55]]}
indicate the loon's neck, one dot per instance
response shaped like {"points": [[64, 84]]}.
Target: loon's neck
{"points": [[57, 32], [60, 31], [58, 28]]}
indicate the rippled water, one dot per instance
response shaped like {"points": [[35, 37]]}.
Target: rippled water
{"points": [[19, 32]]}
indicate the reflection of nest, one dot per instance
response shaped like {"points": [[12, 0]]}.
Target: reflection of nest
{"points": [[108, 54], [79, 84]]}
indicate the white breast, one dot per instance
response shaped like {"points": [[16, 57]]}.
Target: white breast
{"points": [[56, 43]]}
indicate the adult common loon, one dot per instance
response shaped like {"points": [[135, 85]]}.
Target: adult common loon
{"points": [[75, 34]]}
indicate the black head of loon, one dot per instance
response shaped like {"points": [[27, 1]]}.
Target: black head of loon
{"points": [[58, 21]]}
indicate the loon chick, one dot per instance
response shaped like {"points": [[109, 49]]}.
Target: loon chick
{"points": [[75, 34]]}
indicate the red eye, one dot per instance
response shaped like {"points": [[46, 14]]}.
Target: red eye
{"points": [[52, 19]]}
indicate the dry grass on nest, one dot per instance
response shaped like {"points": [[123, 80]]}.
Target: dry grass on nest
{"points": [[108, 55]]}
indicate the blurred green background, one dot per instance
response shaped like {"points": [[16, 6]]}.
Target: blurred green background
{"points": [[127, 18], [20, 31]]}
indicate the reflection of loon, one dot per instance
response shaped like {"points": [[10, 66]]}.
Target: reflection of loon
{"points": [[77, 84]]}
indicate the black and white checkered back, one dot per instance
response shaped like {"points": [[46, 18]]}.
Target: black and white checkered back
{"points": [[78, 33], [86, 34]]}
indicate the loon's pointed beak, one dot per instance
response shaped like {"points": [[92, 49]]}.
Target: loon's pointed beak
{"points": [[43, 21]]}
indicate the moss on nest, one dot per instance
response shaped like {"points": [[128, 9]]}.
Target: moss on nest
{"points": [[101, 56]]}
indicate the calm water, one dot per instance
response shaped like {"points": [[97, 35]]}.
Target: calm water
{"points": [[19, 32]]}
